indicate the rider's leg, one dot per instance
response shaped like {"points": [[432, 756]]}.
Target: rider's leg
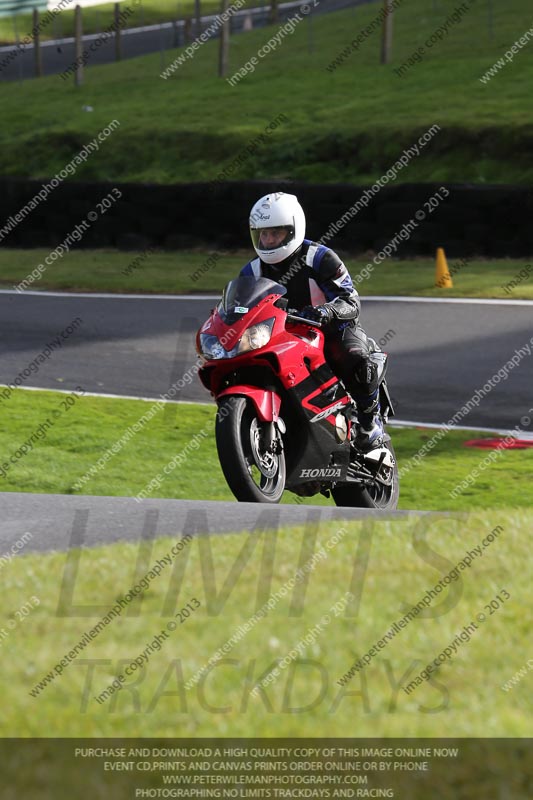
{"points": [[348, 354]]}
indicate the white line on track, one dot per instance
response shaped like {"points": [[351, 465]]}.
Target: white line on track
{"points": [[158, 399], [115, 296], [369, 299], [397, 423], [480, 301], [408, 423]]}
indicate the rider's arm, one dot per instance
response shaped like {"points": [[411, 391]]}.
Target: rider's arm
{"points": [[335, 281]]}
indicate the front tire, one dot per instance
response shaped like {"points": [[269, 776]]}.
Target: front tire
{"points": [[253, 474], [378, 495]]}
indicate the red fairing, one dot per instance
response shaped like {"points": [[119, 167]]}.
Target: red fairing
{"points": [[229, 335], [292, 353], [289, 348], [267, 403]]}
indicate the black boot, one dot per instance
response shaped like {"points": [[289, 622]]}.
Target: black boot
{"points": [[369, 432]]}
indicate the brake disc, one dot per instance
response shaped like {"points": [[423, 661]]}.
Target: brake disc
{"points": [[266, 462]]}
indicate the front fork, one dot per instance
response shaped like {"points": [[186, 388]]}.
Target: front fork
{"points": [[272, 436], [267, 404]]}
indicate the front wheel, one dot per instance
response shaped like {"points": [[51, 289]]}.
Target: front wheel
{"points": [[383, 495], [253, 473]]}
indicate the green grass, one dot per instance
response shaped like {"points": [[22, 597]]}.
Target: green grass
{"points": [[407, 557], [349, 125], [98, 18], [80, 436], [102, 270]]}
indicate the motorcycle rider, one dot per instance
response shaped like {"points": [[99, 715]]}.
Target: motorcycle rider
{"points": [[320, 287]]}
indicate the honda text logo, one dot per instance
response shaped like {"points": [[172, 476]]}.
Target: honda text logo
{"points": [[328, 472]]}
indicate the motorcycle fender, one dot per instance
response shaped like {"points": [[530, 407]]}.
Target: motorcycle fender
{"points": [[267, 403]]}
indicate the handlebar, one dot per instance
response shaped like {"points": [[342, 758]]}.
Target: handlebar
{"points": [[310, 322]]}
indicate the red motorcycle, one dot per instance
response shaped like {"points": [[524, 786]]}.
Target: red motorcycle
{"points": [[284, 420]]}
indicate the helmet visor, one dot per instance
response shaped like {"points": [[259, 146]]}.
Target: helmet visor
{"points": [[272, 238]]}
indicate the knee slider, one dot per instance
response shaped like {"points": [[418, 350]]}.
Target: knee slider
{"points": [[365, 371]]}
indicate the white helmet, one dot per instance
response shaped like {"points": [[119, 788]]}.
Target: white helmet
{"points": [[277, 210]]}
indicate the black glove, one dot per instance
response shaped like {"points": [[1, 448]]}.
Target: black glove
{"points": [[322, 314]]}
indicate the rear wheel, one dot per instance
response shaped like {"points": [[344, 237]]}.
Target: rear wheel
{"points": [[380, 494], [253, 473]]}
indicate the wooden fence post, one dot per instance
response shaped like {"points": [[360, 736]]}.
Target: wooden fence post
{"points": [[386, 41], [78, 48], [37, 44], [224, 43], [118, 47], [187, 30], [198, 16]]}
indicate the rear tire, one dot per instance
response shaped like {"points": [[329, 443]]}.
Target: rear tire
{"points": [[253, 475], [377, 496]]}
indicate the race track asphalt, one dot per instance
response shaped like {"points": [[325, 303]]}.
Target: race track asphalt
{"points": [[61, 522], [440, 353]]}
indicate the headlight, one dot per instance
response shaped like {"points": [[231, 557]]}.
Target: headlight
{"points": [[256, 336], [253, 338], [210, 347]]}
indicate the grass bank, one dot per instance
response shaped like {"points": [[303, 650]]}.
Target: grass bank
{"points": [[406, 558], [369, 115], [65, 456], [185, 272]]}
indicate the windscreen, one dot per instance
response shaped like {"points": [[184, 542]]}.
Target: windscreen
{"points": [[245, 292]]}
